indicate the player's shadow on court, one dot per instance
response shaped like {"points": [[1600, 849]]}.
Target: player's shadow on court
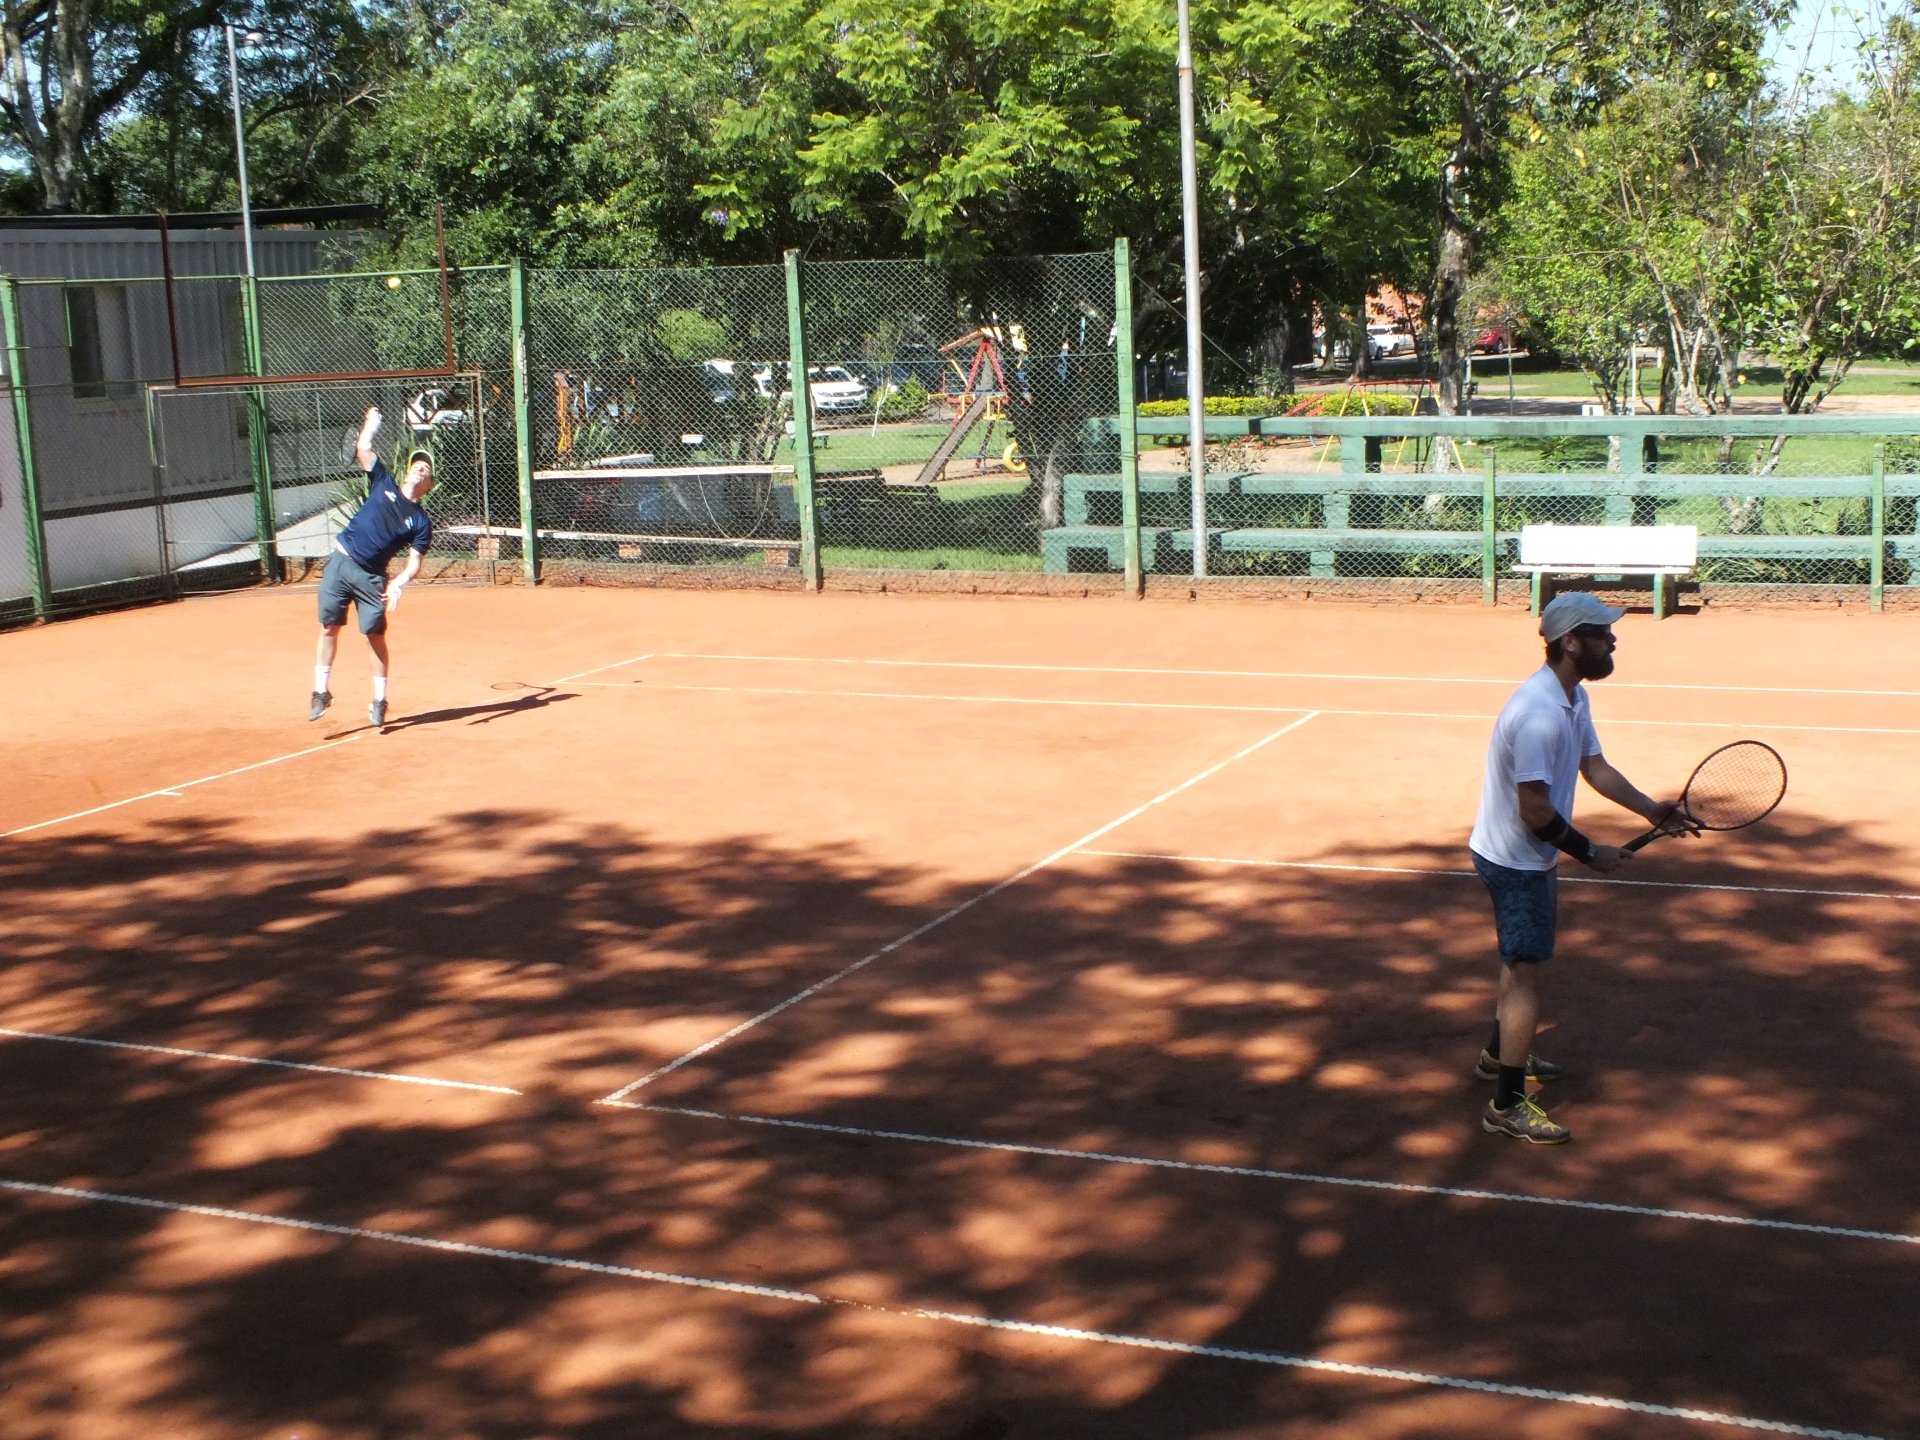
{"points": [[471, 714]]}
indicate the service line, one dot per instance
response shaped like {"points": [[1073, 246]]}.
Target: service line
{"points": [[957, 910], [1744, 726], [173, 791], [1470, 875], [1296, 1177], [254, 1060], [1508, 681]]}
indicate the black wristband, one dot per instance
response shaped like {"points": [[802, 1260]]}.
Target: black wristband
{"points": [[1558, 833]]}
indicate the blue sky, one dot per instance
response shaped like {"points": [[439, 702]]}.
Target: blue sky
{"points": [[1821, 39]]}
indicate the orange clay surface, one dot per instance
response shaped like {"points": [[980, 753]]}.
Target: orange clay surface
{"points": [[935, 1018]]}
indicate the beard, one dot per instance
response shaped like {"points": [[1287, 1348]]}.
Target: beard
{"points": [[1593, 664]]}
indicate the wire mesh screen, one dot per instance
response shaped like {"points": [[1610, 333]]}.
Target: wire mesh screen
{"points": [[204, 447], [660, 429], [1778, 517], [952, 406], [89, 350]]}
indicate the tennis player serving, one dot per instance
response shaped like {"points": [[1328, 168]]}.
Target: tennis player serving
{"points": [[391, 520], [1543, 743]]}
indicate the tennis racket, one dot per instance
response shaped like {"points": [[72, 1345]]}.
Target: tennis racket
{"points": [[1733, 787]]}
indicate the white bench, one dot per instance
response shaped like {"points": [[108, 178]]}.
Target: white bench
{"points": [[1666, 552]]}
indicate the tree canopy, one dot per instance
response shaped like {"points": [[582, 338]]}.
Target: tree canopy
{"points": [[1614, 175]]}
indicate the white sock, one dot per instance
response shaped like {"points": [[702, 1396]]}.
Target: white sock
{"points": [[320, 673], [379, 687]]}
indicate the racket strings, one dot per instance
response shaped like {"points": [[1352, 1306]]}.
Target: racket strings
{"points": [[1736, 786]]}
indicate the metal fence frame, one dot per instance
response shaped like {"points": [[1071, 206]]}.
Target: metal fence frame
{"points": [[1095, 534]]}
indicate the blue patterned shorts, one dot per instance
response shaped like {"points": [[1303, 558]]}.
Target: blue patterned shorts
{"points": [[1526, 906]]}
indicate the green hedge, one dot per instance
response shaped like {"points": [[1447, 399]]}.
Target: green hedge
{"points": [[1222, 405], [1333, 404]]}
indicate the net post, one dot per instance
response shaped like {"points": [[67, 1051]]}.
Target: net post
{"points": [[1128, 419], [1489, 536], [32, 522], [1877, 516], [802, 425], [522, 426], [259, 446]]}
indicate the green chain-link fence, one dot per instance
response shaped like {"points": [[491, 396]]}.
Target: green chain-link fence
{"points": [[951, 406], [660, 429], [956, 426], [202, 441], [1785, 509]]}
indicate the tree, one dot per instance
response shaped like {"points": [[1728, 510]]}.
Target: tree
{"points": [[1832, 209], [81, 75]]}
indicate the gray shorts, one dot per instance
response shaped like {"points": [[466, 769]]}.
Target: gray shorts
{"points": [[1526, 906], [344, 581]]}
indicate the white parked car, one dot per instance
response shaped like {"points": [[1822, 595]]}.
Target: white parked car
{"points": [[835, 389], [1387, 340]]}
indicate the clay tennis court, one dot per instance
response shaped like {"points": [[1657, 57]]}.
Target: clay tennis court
{"points": [[770, 1015]]}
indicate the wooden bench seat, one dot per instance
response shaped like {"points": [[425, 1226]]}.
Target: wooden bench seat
{"points": [[1665, 552]]}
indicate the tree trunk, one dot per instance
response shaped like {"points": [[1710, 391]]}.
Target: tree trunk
{"points": [[1452, 266]]}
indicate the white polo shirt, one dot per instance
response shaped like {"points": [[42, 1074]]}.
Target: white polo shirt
{"points": [[1540, 735]]}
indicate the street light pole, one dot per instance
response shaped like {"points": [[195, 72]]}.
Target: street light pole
{"points": [[1190, 218], [240, 148]]}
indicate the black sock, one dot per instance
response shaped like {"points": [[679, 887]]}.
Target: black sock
{"points": [[1493, 1045], [1512, 1086]]}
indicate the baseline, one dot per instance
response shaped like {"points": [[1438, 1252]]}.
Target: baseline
{"points": [[950, 914], [949, 1317]]}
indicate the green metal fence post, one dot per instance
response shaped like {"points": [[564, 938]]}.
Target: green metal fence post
{"points": [[1129, 417], [1877, 515], [259, 447], [802, 426], [31, 521], [1489, 536], [522, 426]]}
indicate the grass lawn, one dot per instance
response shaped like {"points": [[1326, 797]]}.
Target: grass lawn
{"points": [[948, 558]]}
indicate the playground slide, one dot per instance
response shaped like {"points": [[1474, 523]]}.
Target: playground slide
{"points": [[955, 438]]}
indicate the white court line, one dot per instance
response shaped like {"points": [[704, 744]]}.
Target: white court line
{"points": [[255, 1060], [941, 919], [1747, 726], [1271, 674], [1301, 1177], [1564, 879], [174, 790], [949, 1317], [568, 679]]}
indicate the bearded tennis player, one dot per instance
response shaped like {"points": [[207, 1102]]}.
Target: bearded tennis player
{"points": [[1543, 744]]}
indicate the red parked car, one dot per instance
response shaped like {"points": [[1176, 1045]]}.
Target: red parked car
{"points": [[1494, 339]]}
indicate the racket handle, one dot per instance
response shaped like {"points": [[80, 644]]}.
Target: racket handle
{"points": [[1642, 842]]}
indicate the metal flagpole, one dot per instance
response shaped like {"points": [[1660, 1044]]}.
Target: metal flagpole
{"points": [[1190, 216]]}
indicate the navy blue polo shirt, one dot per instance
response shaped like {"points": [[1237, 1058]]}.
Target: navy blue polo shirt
{"points": [[387, 524]]}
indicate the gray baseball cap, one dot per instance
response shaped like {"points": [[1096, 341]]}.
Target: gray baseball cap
{"points": [[1573, 609]]}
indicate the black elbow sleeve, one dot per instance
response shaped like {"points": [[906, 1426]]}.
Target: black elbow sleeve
{"points": [[1560, 834]]}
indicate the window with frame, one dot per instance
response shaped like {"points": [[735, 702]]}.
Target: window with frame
{"points": [[99, 342]]}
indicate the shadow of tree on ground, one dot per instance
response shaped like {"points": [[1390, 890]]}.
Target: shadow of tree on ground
{"points": [[1735, 1052]]}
